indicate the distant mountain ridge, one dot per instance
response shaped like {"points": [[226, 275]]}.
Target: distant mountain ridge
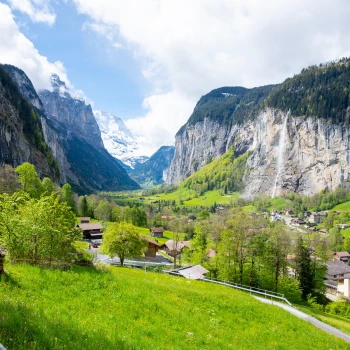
{"points": [[154, 171], [119, 140]]}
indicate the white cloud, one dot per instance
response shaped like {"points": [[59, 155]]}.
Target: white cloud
{"points": [[188, 48], [37, 10], [163, 116], [17, 50]]}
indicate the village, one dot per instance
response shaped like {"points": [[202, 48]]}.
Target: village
{"points": [[169, 253]]}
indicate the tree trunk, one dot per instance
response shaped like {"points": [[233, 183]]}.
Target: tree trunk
{"points": [[2, 260], [121, 261]]}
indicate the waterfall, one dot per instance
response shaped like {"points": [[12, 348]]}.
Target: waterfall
{"points": [[280, 157]]}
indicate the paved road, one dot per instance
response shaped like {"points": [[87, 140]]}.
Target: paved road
{"points": [[325, 327]]}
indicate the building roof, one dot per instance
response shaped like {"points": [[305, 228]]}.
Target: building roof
{"points": [[342, 254], [193, 272], [211, 253], [337, 267], [85, 218], [149, 240], [157, 229], [91, 226], [179, 246]]}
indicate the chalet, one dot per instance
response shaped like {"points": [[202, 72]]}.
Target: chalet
{"points": [[84, 220], [323, 231], [92, 230], [312, 229], [157, 232], [337, 278], [191, 218], [173, 248], [195, 272], [152, 247], [342, 256], [307, 214]]}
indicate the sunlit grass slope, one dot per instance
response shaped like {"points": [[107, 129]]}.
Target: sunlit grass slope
{"points": [[129, 309]]}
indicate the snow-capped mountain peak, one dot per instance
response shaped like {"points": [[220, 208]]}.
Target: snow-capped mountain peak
{"points": [[119, 140]]}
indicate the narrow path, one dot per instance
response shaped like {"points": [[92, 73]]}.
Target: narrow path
{"points": [[321, 325]]}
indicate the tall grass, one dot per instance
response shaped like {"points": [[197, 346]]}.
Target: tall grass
{"points": [[121, 308]]}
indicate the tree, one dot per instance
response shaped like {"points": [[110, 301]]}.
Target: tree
{"points": [[8, 180], [29, 180], [37, 230], [68, 196], [199, 245], [103, 212], [47, 186], [203, 215], [304, 268], [138, 217], [122, 239], [83, 207]]}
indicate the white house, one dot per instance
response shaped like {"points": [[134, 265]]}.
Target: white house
{"points": [[337, 278]]}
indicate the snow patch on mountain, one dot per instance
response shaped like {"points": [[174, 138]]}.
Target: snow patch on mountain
{"points": [[119, 140]]}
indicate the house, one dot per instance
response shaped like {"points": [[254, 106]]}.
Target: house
{"points": [[342, 256], [298, 222], [173, 248], [307, 214], [84, 220], [157, 232], [289, 212], [323, 231], [315, 218], [152, 247], [92, 230], [337, 278], [195, 272], [191, 218], [312, 229]]}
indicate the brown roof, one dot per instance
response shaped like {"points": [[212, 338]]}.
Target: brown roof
{"points": [[91, 226], [157, 229], [149, 240], [179, 246], [211, 253]]}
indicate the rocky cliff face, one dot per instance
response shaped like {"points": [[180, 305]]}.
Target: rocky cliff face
{"points": [[73, 137], [21, 136], [50, 134], [288, 154]]}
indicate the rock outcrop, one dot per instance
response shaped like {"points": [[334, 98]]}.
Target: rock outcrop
{"points": [[21, 135]]}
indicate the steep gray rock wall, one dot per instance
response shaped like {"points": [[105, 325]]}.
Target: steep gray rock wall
{"points": [[315, 154]]}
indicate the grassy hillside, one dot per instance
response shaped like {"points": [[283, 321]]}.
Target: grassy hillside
{"points": [[129, 309], [225, 172]]}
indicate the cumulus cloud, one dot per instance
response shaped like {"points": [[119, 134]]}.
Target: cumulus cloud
{"points": [[37, 10], [188, 48], [17, 50], [163, 116]]}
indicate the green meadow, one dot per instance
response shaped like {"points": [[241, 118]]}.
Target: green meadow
{"points": [[122, 308], [343, 207]]}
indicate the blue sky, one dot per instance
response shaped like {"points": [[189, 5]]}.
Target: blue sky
{"points": [[110, 77]]}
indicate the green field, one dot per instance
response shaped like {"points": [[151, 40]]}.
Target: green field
{"points": [[121, 308], [182, 195], [343, 207]]}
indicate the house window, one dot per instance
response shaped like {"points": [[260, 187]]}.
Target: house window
{"points": [[340, 282]]}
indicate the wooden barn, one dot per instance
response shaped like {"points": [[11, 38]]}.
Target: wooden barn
{"points": [[84, 220], [152, 247], [92, 230], [157, 232]]}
